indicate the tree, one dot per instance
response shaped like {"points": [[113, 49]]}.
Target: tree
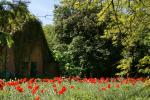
{"points": [[50, 35], [79, 32], [130, 29]]}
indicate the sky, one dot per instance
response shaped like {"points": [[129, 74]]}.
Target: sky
{"points": [[40, 8]]}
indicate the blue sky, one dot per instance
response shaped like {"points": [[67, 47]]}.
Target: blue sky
{"points": [[42, 8]]}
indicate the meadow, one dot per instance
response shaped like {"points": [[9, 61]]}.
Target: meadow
{"points": [[75, 88]]}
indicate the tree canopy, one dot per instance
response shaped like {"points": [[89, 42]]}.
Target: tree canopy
{"points": [[103, 35], [12, 17]]}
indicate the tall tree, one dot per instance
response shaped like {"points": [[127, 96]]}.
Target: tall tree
{"points": [[50, 35], [129, 28], [79, 33]]}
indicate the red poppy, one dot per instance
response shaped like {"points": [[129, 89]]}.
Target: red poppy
{"points": [[55, 88], [117, 85], [45, 80], [99, 81], [32, 80], [1, 84], [34, 90], [109, 86], [42, 91], [37, 98], [72, 87], [23, 80], [92, 80], [19, 88], [29, 87], [103, 88], [62, 90], [52, 81], [13, 83]]}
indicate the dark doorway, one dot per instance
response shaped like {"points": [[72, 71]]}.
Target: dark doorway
{"points": [[33, 70]]}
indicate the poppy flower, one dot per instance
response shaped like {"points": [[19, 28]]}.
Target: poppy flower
{"points": [[42, 91], [117, 85], [62, 90], [12, 83], [34, 90], [32, 80], [29, 87], [19, 88], [1, 85], [104, 89], [37, 98], [55, 88], [109, 86], [23, 80], [72, 87]]}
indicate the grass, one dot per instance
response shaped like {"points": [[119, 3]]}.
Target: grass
{"points": [[75, 89]]}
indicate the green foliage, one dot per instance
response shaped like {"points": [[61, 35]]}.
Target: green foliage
{"points": [[5, 39], [94, 31], [128, 29], [12, 18], [50, 35], [80, 34], [144, 65]]}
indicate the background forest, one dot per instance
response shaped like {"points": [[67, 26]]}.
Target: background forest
{"points": [[101, 37], [90, 38]]}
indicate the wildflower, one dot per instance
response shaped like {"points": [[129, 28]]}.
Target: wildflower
{"points": [[23, 80], [42, 91], [117, 85], [32, 80], [34, 90], [92, 80], [37, 98], [19, 88], [58, 79], [72, 87], [99, 81], [102, 79], [106, 80], [113, 80], [12, 83], [62, 90], [1, 84], [55, 88], [103, 88], [109, 86], [29, 87], [45, 80], [51, 81]]}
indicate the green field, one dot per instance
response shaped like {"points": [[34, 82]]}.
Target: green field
{"points": [[75, 89]]}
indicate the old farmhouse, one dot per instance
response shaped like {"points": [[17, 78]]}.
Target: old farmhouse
{"points": [[30, 54]]}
